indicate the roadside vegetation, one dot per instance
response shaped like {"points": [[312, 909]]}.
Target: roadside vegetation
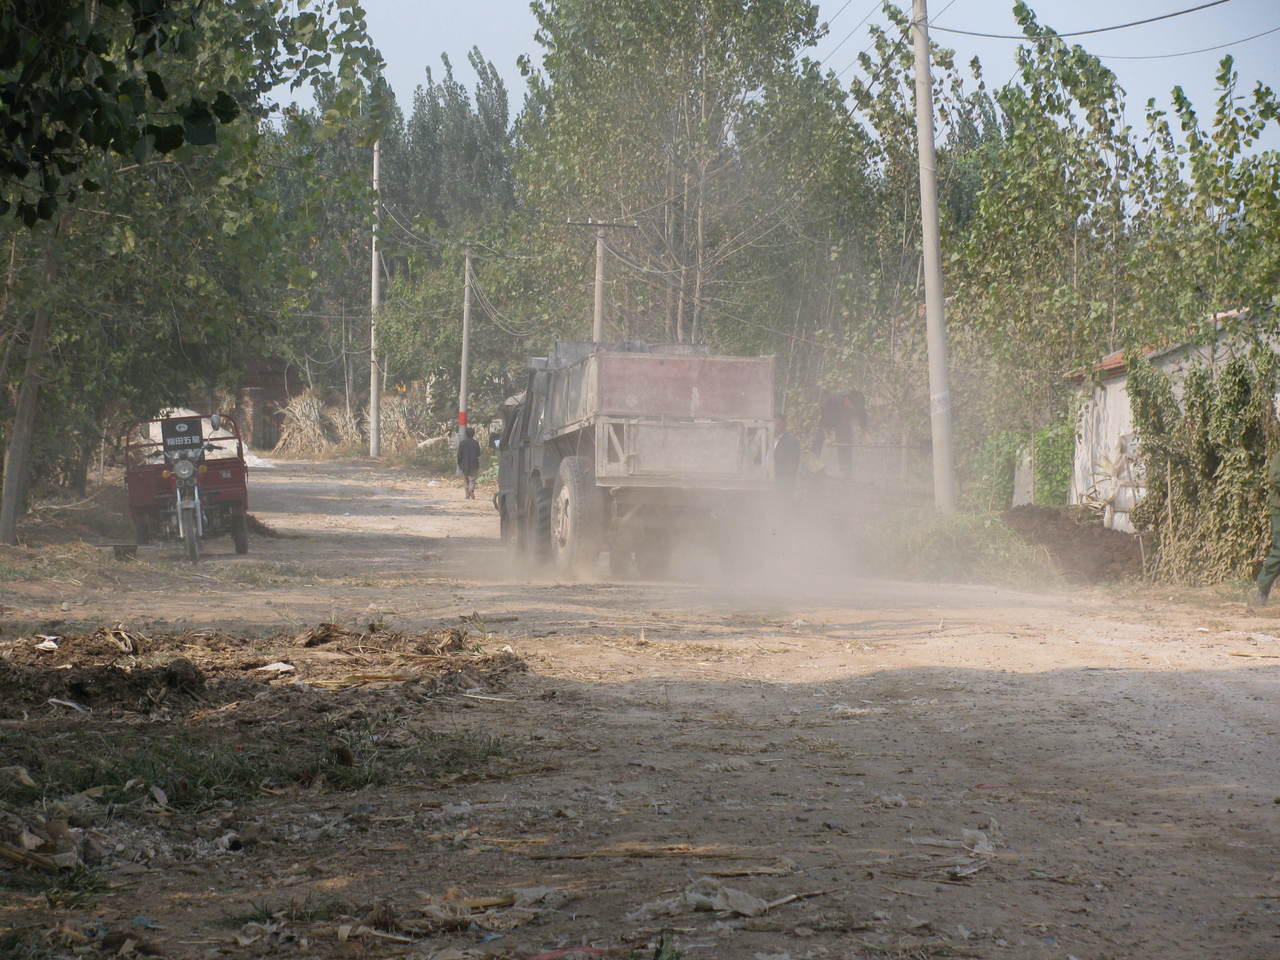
{"points": [[775, 206]]}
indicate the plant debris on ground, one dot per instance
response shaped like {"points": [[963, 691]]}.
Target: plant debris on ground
{"points": [[120, 746]]}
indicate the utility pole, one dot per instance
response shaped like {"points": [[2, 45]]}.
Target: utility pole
{"points": [[944, 479], [466, 342], [375, 290], [597, 316]]}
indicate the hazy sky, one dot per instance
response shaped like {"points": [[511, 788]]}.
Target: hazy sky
{"points": [[413, 33]]}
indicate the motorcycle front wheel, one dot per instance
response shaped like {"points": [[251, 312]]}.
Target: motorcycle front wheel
{"points": [[187, 530]]}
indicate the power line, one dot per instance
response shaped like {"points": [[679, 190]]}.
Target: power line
{"points": [[830, 53], [504, 323], [898, 46], [1079, 33], [1187, 53]]}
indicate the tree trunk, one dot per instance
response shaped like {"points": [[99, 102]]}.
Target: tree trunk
{"points": [[10, 335], [17, 454], [700, 239]]}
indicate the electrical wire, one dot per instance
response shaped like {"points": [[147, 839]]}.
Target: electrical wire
{"points": [[504, 323], [1080, 33], [436, 244], [898, 46], [1187, 53], [828, 55]]}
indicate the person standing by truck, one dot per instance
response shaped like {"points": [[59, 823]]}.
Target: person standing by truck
{"points": [[469, 461], [837, 417]]}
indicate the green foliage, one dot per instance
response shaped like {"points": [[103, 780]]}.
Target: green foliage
{"points": [[81, 81], [159, 291], [776, 211], [1204, 464], [992, 470], [1052, 455]]}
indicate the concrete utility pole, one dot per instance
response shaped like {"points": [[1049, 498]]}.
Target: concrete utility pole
{"points": [[375, 290], [944, 479], [597, 316], [466, 343]]}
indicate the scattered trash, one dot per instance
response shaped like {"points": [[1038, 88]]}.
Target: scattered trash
{"points": [[455, 910], [892, 800], [58, 701], [977, 841], [707, 894], [277, 668], [47, 645]]}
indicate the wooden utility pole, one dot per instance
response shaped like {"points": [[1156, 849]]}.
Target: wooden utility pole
{"points": [[597, 315], [375, 290], [944, 480], [466, 342]]}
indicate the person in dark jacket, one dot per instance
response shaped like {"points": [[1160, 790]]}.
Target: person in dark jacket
{"points": [[469, 461], [837, 417], [1271, 565]]}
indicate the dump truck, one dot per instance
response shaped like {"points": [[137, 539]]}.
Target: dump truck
{"points": [[625, 447]]}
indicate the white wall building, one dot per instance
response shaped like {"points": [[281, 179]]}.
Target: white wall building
{"points": [[1105, 471]]}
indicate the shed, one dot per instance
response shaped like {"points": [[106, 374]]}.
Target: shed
{"points": [[1105, 471]]}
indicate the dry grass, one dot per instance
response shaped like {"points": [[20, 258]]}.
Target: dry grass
{"points": [[307, 431]]}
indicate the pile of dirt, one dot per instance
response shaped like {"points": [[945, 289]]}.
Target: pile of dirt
{"points": [[140, 690], [1078, 544]]}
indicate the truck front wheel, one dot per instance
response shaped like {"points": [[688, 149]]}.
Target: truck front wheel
{"points": [[577, 517]]}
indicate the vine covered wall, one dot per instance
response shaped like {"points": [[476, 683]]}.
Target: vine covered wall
{"points": [[1203, 458]]}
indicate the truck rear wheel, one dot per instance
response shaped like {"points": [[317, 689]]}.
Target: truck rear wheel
{"points": [[577, 517], [533, 532]]}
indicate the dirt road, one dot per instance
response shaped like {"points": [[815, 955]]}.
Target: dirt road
{"points": [[829, 768]]}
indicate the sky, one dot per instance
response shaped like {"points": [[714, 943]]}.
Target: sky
{"points": [[412, 34]]}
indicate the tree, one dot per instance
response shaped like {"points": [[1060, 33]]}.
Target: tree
{"points": [[156, 290], [79, 80]]}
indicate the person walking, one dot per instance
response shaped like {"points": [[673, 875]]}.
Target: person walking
{"points": [[1271, 565], [469, 461]]}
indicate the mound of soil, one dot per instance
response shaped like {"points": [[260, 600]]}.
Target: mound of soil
{"points": [[140, 690], [1078, 544]]}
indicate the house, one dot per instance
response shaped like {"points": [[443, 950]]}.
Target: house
{"points": [[1105, 471]]}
